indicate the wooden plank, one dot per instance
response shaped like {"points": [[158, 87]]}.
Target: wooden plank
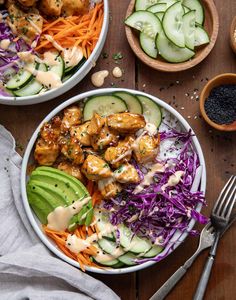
{"points": [[180, 91]]}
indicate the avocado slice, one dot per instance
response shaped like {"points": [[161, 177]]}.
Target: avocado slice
{"points": [[49, 188]]}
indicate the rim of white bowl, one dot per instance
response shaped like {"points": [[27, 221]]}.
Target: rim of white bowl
{"points": [[71, 82], [33, 219]]}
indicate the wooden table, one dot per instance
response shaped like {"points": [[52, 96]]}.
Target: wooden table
{"points": [[180, 91]]}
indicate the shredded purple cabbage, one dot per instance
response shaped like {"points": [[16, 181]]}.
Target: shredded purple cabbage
{"points": [[157, 213]]}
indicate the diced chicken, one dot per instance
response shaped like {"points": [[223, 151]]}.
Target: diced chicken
{"points": [[50, 132], [27, 3], [75, 7], [80, 132], [46, 153], [26, 25], [126, 174], [116, 156], [51, 7], [105, 138], [73, 151], [95, 168], [126, 122], [96, 124], [146, 148], [71, 169], [88, 151], [109, 188], [72, 117]]}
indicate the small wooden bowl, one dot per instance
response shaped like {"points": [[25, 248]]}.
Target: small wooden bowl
{"points": [[233, 34], [211, 25], [227, 78]]}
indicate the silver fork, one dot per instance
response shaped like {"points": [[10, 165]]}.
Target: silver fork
{"points": [[205, 241], [220, 218]]}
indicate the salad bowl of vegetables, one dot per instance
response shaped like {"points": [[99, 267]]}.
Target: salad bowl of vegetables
{"points": [[47, 47], [113, 180], [171, 35]]}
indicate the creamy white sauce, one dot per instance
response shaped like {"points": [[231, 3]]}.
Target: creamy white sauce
{"points": [[98, 78], [36, 28], [49, 79], [27, 56], [148, 178], [49, 59], [116, 72], [4, 44], [173, 179], [105, 182], [60, 217], [150, 128], [76, 245], [103, 257], [126, 153], [71, 56]]}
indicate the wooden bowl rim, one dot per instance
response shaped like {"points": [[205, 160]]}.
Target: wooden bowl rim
{"points": [[174, 67], [232, 38], [224, 127]]}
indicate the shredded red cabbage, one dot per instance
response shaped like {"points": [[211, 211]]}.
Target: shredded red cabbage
{"points": [[156, 213]]}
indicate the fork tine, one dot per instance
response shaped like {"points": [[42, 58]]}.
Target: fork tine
{"points": [[231, 205], [229, 197], [222, 197]]}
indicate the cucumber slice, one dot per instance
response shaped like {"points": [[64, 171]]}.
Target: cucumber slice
{"points": [[131, 242], [132, 102], [148, 45], [197, 6], [102, 220], [170, 52], [167, 2], [128, 259], [160, 15], [118, 265], [201, 36], [173, 24], [58, 69], [189, 28], [145, 22], [159, 7], [151, 110], [21, 78], [104, 106], [110, 247], [144, 4], [186, 9], [72, 70], [33, 87], [154, 251]]}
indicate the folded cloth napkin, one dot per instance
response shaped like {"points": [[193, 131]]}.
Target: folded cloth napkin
{"points": [[28, 270]]}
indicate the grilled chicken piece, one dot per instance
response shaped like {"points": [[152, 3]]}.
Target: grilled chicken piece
{"points": [[71, 169], [96, 124], [26, 25], [105, 138], [116, 156], [95, 168], [73, 151], [146, 148], [126, 174], [46, 153], [80, 132], [50, 132], [72, 117], [109, 188], [88, 151], [75, 7], [27, 3], [126, 122], [51, 7]]}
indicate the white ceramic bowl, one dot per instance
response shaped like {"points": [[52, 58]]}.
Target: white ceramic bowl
{"points": [[76, 78], [28, 158]]}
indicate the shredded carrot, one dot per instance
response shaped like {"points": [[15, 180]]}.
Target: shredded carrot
{"points": [[96, 198], [81, 31], [90, 187]]}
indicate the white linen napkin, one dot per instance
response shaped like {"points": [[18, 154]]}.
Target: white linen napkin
{"points": [[28, 270]]}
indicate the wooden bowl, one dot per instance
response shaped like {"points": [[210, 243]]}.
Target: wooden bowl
{"points": [[233, 34], [211, 25], [227, 78]]}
